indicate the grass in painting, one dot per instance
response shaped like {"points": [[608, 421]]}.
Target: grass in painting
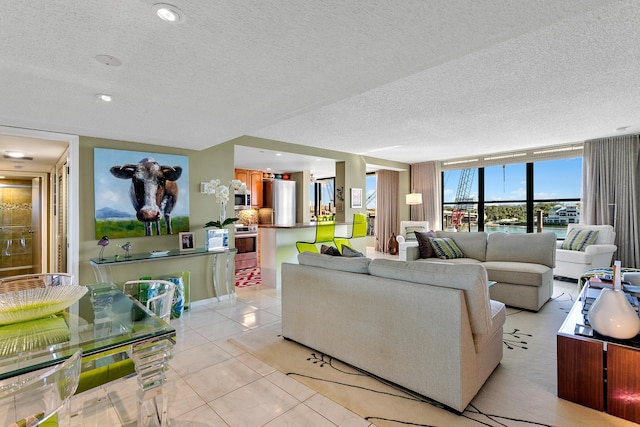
{"points": [[116, 229]]}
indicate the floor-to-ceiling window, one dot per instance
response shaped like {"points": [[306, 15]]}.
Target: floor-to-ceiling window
{"points": [[322, 197], [371, 192], [531, 196]]}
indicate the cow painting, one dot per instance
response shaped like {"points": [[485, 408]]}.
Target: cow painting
{"points": [[153, 191]]}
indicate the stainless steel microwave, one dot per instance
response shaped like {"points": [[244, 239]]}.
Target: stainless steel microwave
{"points": [[242, 201]]}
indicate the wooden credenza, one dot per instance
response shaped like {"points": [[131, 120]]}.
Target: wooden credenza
{"points": [[598, 372]]}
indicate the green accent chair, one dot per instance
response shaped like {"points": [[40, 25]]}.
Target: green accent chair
{"points": [[359, 229], [325, 232], [40, 400]]}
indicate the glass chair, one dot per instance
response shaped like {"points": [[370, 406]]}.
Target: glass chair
{"points": [[156, 294], [38, 400]]}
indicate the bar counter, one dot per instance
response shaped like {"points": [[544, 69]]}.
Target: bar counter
{"points": [[278, 245]]}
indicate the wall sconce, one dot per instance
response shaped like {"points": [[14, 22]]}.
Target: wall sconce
{"points": [[414, 198]]}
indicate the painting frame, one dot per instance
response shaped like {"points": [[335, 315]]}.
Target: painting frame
{"points": [[187, 241], [356, 198], [116, 215]]}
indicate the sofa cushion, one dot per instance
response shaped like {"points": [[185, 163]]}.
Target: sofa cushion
{"points": [[451, 261], [424, 245], [498, 317], [473, 245], [522, 273], [470, 278], [535, 248], [349, 264], [578, 240], [445, 248]]}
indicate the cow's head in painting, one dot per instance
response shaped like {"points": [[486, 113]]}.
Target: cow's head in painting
{"points": [[153, 191]]}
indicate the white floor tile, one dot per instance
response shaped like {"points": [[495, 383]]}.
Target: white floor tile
{"points": [[197, 358], [218, 380], [254, 404], [301, 415]]}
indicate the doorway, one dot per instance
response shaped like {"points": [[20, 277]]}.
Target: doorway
{"points": [[21, 220], [38, 193]]}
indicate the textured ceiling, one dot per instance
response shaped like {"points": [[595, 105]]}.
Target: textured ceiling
{"points": [[409, 80]]}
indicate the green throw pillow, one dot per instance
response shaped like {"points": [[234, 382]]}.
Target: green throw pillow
{"points": [[445, 248], [578, 240], [409, 233]]}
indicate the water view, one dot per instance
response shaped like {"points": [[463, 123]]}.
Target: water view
{"points": [[560, 231]]}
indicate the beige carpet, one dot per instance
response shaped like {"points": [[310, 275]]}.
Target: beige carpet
{"points": [[520, 392]]}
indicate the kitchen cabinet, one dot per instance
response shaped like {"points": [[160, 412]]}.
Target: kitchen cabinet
{"points": [[253, 179]]}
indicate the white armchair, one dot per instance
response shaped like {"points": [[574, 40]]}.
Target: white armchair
{"points": [[572, 264], [407, 240]]}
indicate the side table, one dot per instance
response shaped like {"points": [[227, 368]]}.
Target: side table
{"points": [[230, 286], [598, 372]]}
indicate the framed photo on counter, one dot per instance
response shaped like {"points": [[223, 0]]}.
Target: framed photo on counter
{"points": [[187, 242]]}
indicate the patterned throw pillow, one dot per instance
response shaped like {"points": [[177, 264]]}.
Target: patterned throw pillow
{"points": [[578, 240], [424, 245], [445, 248], [409, 233]]}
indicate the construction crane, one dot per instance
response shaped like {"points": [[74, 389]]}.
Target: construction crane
{"points": [[463, 203], [464, 189]]}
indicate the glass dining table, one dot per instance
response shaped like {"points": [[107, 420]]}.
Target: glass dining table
{"points": [[104, 321]]}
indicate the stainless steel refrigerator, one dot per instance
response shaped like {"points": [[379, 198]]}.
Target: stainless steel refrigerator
{"points": [[280, 196]]}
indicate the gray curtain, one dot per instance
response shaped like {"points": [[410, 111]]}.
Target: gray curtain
{"points": [[426, 178], [611, 191], [386, 207]]}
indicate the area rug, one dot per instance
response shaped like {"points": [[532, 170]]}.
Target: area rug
{"points": [[520, 392], [248, 277]]}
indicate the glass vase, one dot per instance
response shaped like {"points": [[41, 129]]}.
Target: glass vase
{"points": [[223, 212]]}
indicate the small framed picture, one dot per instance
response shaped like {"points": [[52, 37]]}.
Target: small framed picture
{"points": [[356, 198], [187, 242]]}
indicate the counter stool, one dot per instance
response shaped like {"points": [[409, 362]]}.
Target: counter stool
{"points": [[359, 229], [325, 232]]}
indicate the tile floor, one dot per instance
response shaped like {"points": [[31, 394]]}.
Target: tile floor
{"points": [[213, 383]]}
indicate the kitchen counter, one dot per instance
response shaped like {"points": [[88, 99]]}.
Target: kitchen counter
{"points": [[278, 245], [297, 225]]}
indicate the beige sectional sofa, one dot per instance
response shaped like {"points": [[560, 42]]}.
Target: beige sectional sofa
{"points": [[520, 264], [428, 327]]}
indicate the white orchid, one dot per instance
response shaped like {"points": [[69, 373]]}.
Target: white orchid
{"points": [[222, 194], [239, 186]]}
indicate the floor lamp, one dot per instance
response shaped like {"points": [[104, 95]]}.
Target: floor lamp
{"points": [[412, 199]]}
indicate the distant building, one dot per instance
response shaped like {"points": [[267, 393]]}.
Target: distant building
{"points": [[563, 214]]}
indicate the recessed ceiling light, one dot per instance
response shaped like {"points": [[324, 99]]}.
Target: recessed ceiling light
{"points": [[104, 97], [168, 12], [15, 154], [278, 154], [622, 128]]}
